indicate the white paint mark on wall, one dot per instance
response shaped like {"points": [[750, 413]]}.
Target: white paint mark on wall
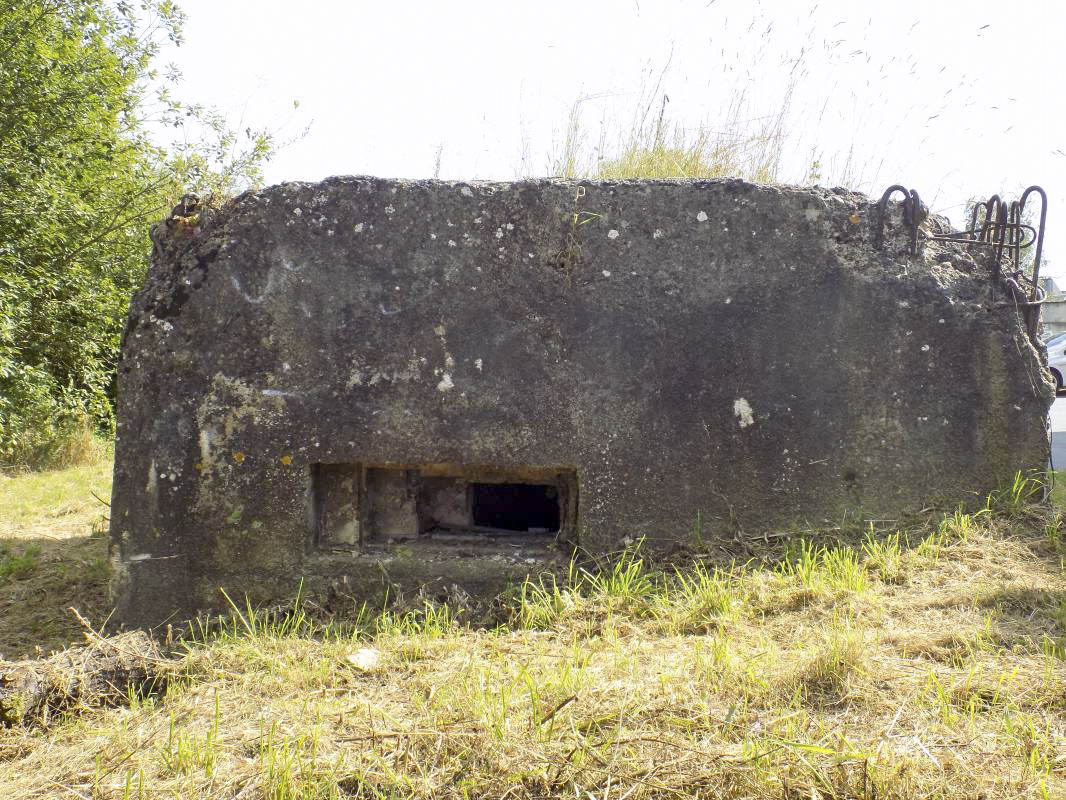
{"points": [[701, 216], [206, 435], [263, 295], [742, 410], [657, 233], [478, 363], [612, 234], [449, 361], [358, 227]]}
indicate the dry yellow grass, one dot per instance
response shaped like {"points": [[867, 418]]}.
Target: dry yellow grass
{"points": [[923, 665], [661, 151], [736, 146]]}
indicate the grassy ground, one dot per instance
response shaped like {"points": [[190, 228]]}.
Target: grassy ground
{"points": [[53, 554], [920, 663]]}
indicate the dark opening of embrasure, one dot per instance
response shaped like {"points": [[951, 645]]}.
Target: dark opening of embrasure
{"points": [[516, 506]]}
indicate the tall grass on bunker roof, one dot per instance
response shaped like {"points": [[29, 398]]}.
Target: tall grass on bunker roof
{"points": [[776, 106], [735, 146]]}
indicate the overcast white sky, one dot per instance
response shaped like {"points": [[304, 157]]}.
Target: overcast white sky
{"points": [[954, 98]]}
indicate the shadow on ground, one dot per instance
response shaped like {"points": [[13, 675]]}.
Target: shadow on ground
{"points": [[40, 580], [53, 556]]}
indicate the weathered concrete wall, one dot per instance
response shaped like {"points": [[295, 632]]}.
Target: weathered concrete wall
{"points": [[315, 374]]}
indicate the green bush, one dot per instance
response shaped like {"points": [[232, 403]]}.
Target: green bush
{"points": [[46, 426], [81, 182]]}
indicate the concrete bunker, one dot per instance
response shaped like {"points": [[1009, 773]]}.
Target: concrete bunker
{"points": [[375, 386]]}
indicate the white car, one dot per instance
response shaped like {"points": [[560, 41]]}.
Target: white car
{"points": [[1056, 358]]}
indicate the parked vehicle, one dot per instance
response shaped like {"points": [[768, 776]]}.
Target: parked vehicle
{"points": [[1053, 341], [1056, 358]]}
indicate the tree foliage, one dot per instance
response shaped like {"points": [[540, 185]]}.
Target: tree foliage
{"points": [[81, 180]]}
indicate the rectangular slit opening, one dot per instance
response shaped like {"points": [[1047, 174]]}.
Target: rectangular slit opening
{"points": [[359, 504]]}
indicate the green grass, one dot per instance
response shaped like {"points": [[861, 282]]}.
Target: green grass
{"points": [[913, 663], [37, 496], [1058, 489], [18, 566], [53, 555]]}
